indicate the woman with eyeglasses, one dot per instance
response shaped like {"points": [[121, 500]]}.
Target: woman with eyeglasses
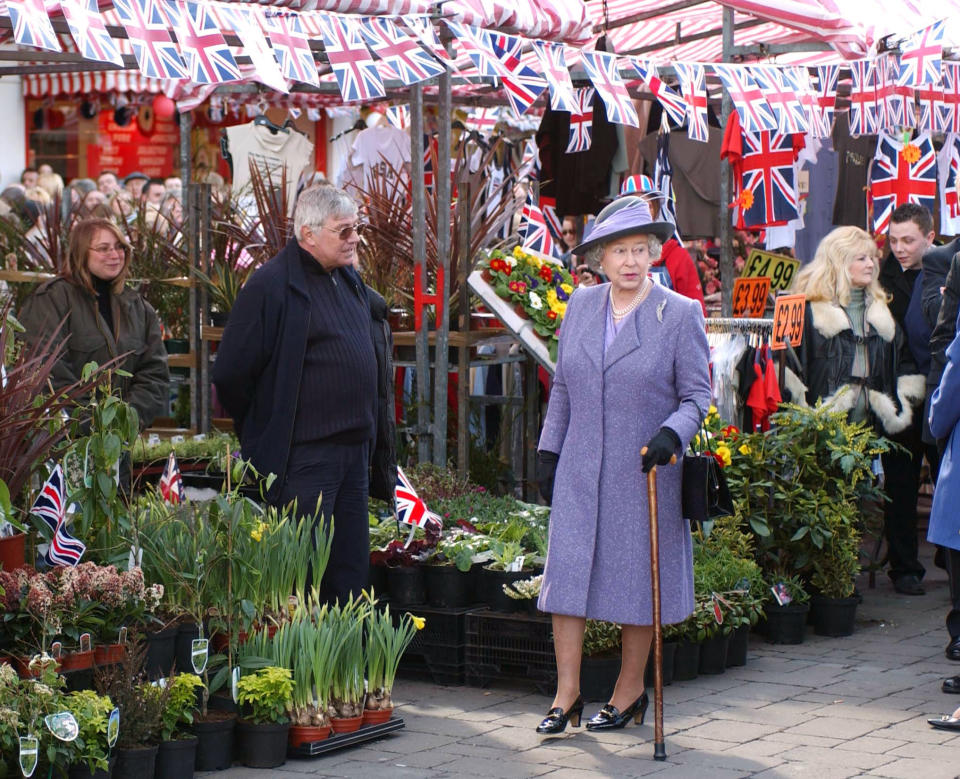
{"points": [[101, 318]]}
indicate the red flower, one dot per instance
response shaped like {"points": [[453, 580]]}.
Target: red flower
{"points": [[514, 286], [551, 315], [716, 457], [731, 431], [498, 265], [546, 274], [521, 287]]}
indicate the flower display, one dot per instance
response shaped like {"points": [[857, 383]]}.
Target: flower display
{"points": [[540, 287], [722, 440]]}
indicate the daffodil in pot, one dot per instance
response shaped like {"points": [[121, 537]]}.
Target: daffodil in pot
{"points": [[264, 697], [386, 643], [347, 685], [178, 747]]}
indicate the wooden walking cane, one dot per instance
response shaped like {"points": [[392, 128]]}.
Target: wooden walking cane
{"points": [[659, 748]]}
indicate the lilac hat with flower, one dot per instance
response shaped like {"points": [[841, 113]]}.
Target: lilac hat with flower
{"points": [[629, 215]]}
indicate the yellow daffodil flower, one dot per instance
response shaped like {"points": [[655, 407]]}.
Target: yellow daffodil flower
{"points": [[566, 288], [418, 622], [744, 449]]}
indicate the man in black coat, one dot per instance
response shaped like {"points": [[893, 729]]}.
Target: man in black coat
{"points": [[303, 369]]}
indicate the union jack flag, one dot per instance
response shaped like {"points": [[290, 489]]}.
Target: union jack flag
{"points": [[948, 107], [553, 60], [522, 85], [290, 46], [149, 34], [398, 50], [895, 181], [88, 31], [476, 43], [602, 71], [533, 228], [864, 111], [31, 24], [663, 179], [748, 99], [693, 85], [827, 77], [411, 509], [673, 104], [950, 208], [171, 484], [929, 96], [51, 506], [782, 99], [798, 79], [581, 122], [351, 62], [399, 116], [920, 57], [529, 161], [548, 205], [422, 27], [895, 100], [201, 43], [483, 120], [247, 22]]}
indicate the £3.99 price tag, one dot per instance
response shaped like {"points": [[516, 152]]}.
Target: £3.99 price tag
{"points": [[788, 314], [779, 268], [750, 296]]}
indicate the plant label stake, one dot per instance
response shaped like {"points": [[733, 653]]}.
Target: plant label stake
{"points": [[56, 649], [153, 439], [122, 638], [29, 747], [235, 683], [659, 749], [177, 439], [199, 652], [113, 728], [85, 644], [63, 725]]}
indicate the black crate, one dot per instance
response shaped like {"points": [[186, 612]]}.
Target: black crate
{"points": [[443, 628], [427, 670], [514, 647]]}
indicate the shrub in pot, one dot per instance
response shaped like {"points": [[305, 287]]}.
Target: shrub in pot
{"points": [[786, 611], [385, 645], [90, 752], [447, 569], [264, 697], [834, 572], [509, 563], [178, 746], [525, 592]]}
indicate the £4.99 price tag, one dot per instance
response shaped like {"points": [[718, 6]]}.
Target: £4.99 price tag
{"points": [[779, 268], [788, 314], [750, 296]]}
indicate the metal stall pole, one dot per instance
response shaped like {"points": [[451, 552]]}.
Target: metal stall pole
{"points": [[190, 236], [441, 366], [463, 302], [422, 429], [204, 195], [531, 428], [726, 231]]}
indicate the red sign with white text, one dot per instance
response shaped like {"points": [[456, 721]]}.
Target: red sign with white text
{"points": [[127, 149]]}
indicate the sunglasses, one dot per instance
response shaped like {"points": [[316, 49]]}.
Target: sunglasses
{"points": [[344, 232]]}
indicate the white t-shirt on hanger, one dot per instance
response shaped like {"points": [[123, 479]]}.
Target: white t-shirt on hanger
{"points": [[271, 151], [383, 148]]}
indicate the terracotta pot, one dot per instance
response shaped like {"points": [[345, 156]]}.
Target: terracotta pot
{"points": [[376, 716], [307, 734], [76, 661], [346, 724], [109, 654], [520, 311], [13, 551]]}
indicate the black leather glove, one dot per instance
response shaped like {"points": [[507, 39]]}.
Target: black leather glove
{"points": [[661, 448], [546, 470]]}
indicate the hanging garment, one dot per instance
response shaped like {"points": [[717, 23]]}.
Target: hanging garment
{"points": [[901, 173], [725, 358], [853, 161], [948, 163], [271, 151], [382, 148]]}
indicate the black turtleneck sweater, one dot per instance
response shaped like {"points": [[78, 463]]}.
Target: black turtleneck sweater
{"points": [[338, 387], [102, 288]]}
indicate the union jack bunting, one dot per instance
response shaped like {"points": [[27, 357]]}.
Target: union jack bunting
{"points": [[553, 60], [207, 55], [693, 86], [581, 122], [929, 96], [285, 31], [602, 71], [950, 205], [247, 23], [895, 181], [411, 509], [51, 506], [895, 103], [548, 205], [798, 78], [31, 24], [747, 97], [351, 62], [476, 43], [522, 84], [146, 26], [782, 99], [827, 78], [171, 484], [673, 104], [948, 107], [920, 57], [864, 112], [663, 179], [399, 116], [483, 120], [533, 228], [529, 161], [88, 31], [422, 28], [398, 50]]}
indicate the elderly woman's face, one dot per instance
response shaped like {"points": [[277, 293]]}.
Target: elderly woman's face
{"points": [[625, 262]]}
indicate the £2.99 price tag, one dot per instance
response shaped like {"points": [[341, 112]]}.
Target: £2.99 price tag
{"points": [[788, 314], [750, 296], [779, 268]]}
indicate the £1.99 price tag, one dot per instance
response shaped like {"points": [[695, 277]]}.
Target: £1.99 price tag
{"points": [[750, 296], [788, 311], [779, 268]]}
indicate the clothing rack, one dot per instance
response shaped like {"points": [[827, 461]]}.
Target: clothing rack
{"points": [[738, 324]]}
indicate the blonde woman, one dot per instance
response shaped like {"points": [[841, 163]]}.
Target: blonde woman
{"points": [[853, 355]]}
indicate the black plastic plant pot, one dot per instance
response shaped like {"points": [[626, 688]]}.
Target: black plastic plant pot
{"points": [[262, 746], [669, 656], [834, 617], [82, 771], [161, 651], [378, 580], [405, 586], [491, 589], [786, 624], [686, 662], [598, 675], [214, 743], [713, 655], [183, 646], [135, 763], [447, 586], [175, 759], [737, 647]]}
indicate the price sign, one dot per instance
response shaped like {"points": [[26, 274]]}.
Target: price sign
{"points": [[779, 268], [750, 296], [788, 320]]}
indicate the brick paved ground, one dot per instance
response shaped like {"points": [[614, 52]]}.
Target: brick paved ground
{"points": [[839, 707]]}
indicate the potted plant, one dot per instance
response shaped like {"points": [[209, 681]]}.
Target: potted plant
{"points": [[508, 564], [178, 747], [600, 665], [834, 572], [386, 643], [786, 610], [526, 592], [308, 646], [686, 662], [347, 689], [90, 752], [446, 571], [264, 696]]}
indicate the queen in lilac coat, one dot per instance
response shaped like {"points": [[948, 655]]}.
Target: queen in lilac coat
{"points": [[632, 374]]}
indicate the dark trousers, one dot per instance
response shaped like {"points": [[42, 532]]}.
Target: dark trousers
{"points": [[953, 571], [901, 471], [339, 474]]}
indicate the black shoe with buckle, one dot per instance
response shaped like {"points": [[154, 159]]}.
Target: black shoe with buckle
{"points": [[611, 718], [951, 685], [556, 719], [953, 649]]}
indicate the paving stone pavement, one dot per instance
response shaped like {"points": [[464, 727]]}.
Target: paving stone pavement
{"points": [[830, 707]]}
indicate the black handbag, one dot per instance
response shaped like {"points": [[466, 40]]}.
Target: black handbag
{"points": [[705, 494]]}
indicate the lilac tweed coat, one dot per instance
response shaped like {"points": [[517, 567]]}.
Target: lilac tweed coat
{"points": [[603, 410]]}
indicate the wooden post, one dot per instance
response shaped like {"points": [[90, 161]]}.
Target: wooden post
{"points": [[530, 428], [202, 240], [190, 240], [441, 367], [463, 301], [419, 255], [726, 230]]}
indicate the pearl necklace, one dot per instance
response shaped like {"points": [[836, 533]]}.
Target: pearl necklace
{"points": [[641, 295]]}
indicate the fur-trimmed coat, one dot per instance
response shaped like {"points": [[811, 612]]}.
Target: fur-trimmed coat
{"points": [[894, 388]]}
